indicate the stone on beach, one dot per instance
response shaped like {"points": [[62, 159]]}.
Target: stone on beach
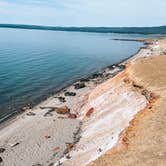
{"points": [[121, 66], [14, 144], [59, 110], [72, 116], [1, 160], [62, 99], [70, 94], [137, 86], [79, 85], [30, 114], [89, 112], [38, 164], [62, 110], [69, 146], [25, 108], [84, 80], [47, 136], [2, 150], [96, 75]]}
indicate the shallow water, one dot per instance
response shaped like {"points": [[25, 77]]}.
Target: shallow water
{"points": [[36, 63]]}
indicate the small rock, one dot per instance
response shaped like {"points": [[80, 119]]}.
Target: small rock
{"points": [[1, 160], [2, 150], [122, 67], [89, 112], [25, 108], [84, 80], [137, 86], [14, 144], [68, 156], [56, 148], [62, 99], [37, 164], [47, 136], [58, 163], [127, 80], [79, 85], [100, 150], [69, 146], [72, 116], [96, 75], [147, 95], [62, 110], [51, 164], [70, 94], [30, 114]]}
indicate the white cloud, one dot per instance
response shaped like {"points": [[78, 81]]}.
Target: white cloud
{"points": [[84, 12]]}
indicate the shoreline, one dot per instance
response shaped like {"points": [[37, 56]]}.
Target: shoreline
{"points": [[143, 141], [29, 121], [91, 145], [12, 116]]}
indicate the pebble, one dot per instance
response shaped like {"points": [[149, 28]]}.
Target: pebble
{"points": [[1, 160], [2, 150]]}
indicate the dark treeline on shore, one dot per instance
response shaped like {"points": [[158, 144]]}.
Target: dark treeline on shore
{"points": [[134, 30]]}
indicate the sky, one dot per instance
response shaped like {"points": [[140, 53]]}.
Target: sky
{"points": [[110, 13]]}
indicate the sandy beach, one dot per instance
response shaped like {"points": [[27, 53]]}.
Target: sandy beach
{"points": [[98, 120]]}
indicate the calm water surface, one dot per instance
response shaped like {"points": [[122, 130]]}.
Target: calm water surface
{"points": [[36, 63]]}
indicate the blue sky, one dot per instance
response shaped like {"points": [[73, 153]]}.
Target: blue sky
{"points": [[84, 12]]}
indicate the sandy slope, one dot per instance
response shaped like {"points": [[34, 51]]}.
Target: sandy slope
{"points": [[115, 103], [146, 137]]}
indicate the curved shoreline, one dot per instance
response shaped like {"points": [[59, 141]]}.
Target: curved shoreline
{"points": [[5, 120], [87, 150], [39, 129], [143, 141]]}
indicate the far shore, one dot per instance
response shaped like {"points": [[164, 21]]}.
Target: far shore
{"points": [[62, 128]]}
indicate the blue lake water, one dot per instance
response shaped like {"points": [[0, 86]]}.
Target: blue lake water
{"points": [[36, 63]]}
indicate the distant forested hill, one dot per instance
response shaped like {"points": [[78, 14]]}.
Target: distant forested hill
{"points": [[139, 30]]}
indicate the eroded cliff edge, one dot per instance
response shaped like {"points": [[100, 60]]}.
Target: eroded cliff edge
{"points": [[123, 120]]}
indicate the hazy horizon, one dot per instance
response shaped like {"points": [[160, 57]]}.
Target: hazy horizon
{"points": [[84, 26], [84, 13]]}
